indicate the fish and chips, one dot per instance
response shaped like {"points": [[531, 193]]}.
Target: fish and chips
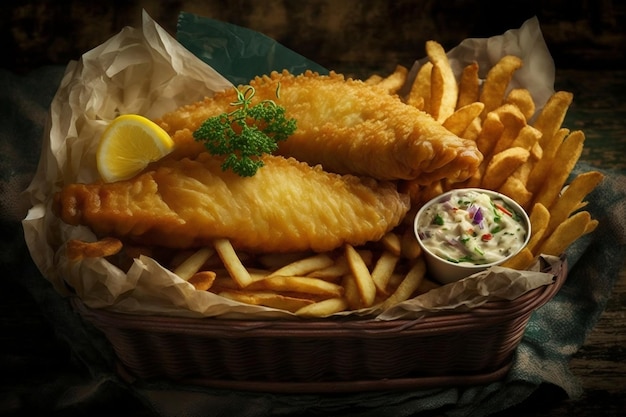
{"points": [[344, 125], [325, 225]]}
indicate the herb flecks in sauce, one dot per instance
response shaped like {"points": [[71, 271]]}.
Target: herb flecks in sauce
{"points": [[471, 227]]}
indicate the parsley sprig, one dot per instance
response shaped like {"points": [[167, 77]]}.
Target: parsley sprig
{"points": [[247, 133]]}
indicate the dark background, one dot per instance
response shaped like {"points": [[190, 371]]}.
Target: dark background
{"points": [[351, 36]]}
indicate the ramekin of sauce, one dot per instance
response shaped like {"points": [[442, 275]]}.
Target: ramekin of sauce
{"points": [[468, 230]]}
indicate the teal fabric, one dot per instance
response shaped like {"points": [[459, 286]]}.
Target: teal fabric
{"points": [[239, 54], [555, 332]]}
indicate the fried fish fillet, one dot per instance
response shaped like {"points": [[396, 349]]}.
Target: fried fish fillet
{"points": [[286, 206], [345, 125]]}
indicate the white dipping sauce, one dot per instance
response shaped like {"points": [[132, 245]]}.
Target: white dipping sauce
{"points": [[471, 228]]}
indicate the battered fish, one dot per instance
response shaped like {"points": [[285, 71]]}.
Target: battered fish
{"points": [[346, 126], [286, 206]]}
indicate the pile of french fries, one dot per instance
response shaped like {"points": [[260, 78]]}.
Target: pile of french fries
{"points": [[527, 161], [528, 157]]}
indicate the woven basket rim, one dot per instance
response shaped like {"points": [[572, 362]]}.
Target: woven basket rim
{"points": [[489, 314]]}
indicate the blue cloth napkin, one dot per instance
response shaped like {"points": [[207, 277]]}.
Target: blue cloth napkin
{"points": [[555, 332]]}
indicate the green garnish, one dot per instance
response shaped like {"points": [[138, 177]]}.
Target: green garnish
{"points": [[246, 133], [497, 218], [466, 258]]}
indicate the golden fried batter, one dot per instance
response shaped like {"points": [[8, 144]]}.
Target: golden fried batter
{"points": [[346, 126], [286, 206]]}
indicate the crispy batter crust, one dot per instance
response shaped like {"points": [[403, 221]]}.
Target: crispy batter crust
{"points": [[286, 206], [347, 127]]}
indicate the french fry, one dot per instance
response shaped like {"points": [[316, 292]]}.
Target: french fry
{"points": [[267, 299], [257, 273], [231, 261], [490, 134], [410, 248], [392, 243], [373, 79], [527, 138], [540, 218], [203, 280], [513, 121], [497, 81], [549, 122], [429, 191], [383, 269], [469, 86], [351, 292], [305, 285], [502, 165], [395, 280], [436, 93], [536, 152], [473, 130], [394, 81], [193, 263], [462, 118], [543, 162], [305, 266], [565, 234], [323, 308], [362, 276], [564, 161], [340, 267], [572, 197], [516, 189], [78, 249], [551, 117], [333, 272], [477, 178], [591, 226], [419, 95], [448, 95], [523, 100], [409, 284], [522, 260], [417, 102]]}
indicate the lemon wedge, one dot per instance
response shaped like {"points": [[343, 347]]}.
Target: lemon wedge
{"points": [[128, 145]]}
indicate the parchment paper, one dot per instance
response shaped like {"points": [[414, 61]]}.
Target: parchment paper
{"points": [[148, 72]]}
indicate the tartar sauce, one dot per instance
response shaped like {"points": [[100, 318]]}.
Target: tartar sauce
{"points": [[471, 227]]}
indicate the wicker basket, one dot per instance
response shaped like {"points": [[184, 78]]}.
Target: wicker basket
{"points": [[324, 355]]}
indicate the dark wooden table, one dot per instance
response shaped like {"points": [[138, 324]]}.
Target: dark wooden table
{"points": [[32, 355]]}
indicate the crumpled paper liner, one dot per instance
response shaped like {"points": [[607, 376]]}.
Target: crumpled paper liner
{"points": [[146, 71], [495, 283]]}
